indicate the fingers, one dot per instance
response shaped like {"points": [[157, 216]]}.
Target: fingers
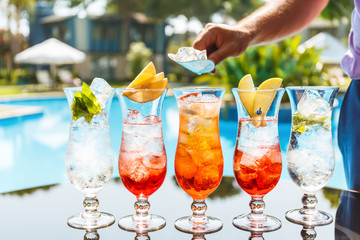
{"points": [[220, 54], [207, 37], [204, 40]]}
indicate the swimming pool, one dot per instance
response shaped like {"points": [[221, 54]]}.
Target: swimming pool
{"points": [[33, 148]]}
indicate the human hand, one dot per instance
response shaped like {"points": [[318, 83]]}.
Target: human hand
{"points": [[222, 41]]}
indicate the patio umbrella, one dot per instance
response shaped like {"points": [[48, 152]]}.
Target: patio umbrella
{"points": [[333, 49], [52, 52]]}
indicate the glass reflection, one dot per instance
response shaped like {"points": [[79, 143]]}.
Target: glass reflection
{"points": [[29, 191], [256, 236], [142, 236], [332, 195], [198, 236], [226, 189], [308, 233], [91, 235], [347, 220]]}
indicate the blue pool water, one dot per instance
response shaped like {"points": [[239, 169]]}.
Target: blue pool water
{"points": [[32, 149]]}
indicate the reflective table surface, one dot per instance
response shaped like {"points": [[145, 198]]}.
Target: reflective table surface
{"points": [[41, 213]]}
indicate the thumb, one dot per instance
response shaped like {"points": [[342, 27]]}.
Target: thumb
{"points": [[220, 54]]}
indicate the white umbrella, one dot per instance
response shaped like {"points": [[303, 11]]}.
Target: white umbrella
{"points": [[333, 49], [50, 51]]}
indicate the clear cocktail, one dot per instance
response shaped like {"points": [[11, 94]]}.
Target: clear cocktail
{"points": [[310, 155], [89, 155]]}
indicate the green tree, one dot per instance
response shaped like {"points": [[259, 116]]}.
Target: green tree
{"points": [[137, 58], [338, 10], [273, 60]]}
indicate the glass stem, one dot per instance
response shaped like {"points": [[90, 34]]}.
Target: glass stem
{"points": [[308, 233], [91, 204], [257, 206], [142, 236], [142, 207], [91, 235], [199, 208], [256, 236], [309, 202], [198, 237]]}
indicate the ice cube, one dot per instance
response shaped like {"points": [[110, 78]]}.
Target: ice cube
{"points": [[151, 119], [209, 98], [102, 90], [134, 116], [311, 103], [192, 97], [187, 54], [137, 171], [198, 97], [154, 162]]}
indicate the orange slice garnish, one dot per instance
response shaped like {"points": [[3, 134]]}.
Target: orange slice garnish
{"points": [[147, 86]]}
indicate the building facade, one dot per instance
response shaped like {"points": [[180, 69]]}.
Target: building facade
{"points": [[102, 38]]}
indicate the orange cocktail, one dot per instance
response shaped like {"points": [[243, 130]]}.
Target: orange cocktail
{"points": [[198, 160]]}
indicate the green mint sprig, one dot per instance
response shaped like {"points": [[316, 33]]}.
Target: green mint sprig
{"points": [[85, 104], [303, 123]]}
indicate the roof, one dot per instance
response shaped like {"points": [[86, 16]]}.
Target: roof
{"points": [[55, 18], [138, 17], [333, 49]]}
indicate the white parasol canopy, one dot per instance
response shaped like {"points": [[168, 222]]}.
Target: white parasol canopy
{"points": [[333, 49], [50, 51]]}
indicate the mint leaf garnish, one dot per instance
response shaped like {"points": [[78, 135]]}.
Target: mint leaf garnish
{"points": [[303, 123], [85, 104]]}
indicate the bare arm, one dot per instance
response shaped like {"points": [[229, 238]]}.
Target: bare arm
{"points": [[273, 21]]}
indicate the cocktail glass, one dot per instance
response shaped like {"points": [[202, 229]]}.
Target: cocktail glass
{"points": [[142, 158], [90, 162], [198, 159], [257, 157], [310, 156]]}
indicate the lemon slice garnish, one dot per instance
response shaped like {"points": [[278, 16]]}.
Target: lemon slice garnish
{"points": [[263, 99], [257, 102], [247, 97]]}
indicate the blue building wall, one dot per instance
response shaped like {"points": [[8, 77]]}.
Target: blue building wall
{"points": [[37, 34]]}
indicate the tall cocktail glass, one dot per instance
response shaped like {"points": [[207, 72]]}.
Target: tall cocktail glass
{"points": [[257, 157], [198, 159], [90, 162], [310, 156], [142, 158]]}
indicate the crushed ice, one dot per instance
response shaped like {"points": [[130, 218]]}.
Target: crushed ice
{"points": [[311, 103], [193, 60], [187, 54], [134, 116], [102, 91]]}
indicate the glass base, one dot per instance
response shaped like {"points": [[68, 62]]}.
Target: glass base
{"points": [[185, 224], [319, 219], [104, 220], [154, 223], [270, 224]]}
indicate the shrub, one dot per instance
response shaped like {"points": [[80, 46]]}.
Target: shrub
{"points": [[137, 58], [273, 60]]}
